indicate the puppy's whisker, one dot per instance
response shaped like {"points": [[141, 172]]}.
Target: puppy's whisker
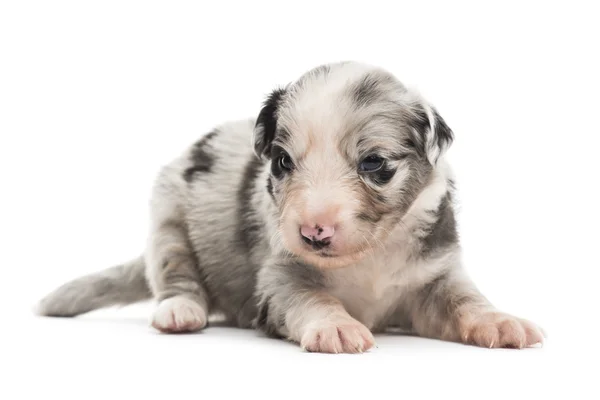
{"points": [[379, 242]]}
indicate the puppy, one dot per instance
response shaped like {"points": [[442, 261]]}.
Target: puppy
{"points": [[327, 218]]}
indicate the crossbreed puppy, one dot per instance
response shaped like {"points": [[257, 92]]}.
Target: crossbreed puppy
{"points": [[333, 222]]}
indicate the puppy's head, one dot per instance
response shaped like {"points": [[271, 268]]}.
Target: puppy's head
{"points": [[350, 148]]}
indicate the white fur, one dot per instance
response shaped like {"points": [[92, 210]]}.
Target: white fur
{"points": [[179, 313]]}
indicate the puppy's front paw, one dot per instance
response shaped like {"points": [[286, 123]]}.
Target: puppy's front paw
{"points": [[342, 335], [499, 330], [179, 314]]}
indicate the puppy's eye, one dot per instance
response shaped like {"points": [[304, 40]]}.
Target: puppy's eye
{"points": [[285, 162], [371, 163]]}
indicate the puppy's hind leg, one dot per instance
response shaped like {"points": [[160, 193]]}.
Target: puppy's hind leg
{"points": [[171, 263], [175, 280]]}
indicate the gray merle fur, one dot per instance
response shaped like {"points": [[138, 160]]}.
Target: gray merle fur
{"points": [[201, 157], [318, 253]]}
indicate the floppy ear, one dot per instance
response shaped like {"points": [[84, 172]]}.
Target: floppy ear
{"points": [[431, 134], [266, 124]]}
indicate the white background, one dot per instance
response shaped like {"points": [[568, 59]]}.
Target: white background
{"points": [[96, 96]]}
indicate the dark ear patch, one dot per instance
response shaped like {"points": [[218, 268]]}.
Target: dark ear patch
{"points": [[443, 133], [429, 142], [419, 125], [266, 124]]}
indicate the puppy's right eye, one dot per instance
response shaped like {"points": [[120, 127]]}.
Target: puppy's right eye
{"points": [[282, 163], [285, 162]]}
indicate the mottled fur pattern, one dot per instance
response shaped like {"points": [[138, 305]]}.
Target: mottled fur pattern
{"points": [[345, 146]]}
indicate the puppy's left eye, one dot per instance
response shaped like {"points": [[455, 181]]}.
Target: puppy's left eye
{"points": [[371, 163]]}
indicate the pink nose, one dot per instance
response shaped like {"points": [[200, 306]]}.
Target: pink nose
{"points": [[317, 233]]}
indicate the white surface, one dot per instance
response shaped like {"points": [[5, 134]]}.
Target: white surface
{"points": [[95, 97]]}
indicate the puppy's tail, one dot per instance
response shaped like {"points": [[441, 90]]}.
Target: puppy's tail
{"points": [[120, 285]]}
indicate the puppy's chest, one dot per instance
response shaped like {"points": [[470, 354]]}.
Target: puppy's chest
{"points": [[371, 290]]}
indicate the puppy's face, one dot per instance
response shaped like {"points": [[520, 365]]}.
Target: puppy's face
{"points": [[350, 148]]}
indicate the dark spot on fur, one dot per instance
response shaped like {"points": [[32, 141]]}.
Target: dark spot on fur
{"points": [[270, 187], [366, 91], [201, 158], [443, 232], [370, 217], [250, 225]]}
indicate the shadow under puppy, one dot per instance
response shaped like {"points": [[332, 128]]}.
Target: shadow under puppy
{"points": [[333, 222]]}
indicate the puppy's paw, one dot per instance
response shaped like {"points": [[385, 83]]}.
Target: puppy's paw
{"points": [[341, 335], [499, 330], [179, 314]]}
